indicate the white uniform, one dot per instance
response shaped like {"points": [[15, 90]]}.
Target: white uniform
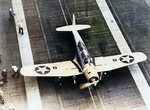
{"points": [[12, 107], [1, 93], [15, 68]]}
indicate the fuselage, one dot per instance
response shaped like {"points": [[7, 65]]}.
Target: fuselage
{"points": [[83, 54], [85, 59]]}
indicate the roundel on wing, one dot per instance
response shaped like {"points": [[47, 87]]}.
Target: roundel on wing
{"points": [[127, 59], [42, 70]]}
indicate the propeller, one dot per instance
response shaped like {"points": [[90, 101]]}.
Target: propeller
{"points": [[85, 85]]}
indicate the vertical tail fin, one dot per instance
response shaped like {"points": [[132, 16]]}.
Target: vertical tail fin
{"points": [[73, 20], [72, 27]]}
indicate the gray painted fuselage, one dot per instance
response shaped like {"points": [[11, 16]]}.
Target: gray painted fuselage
{"points": [[82, 52]]}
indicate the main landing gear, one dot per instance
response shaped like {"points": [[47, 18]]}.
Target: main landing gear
{"points": [[74, 79], [103, 76], [57, 81]]}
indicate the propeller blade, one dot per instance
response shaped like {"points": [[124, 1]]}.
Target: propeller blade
{"points": [[85, 85]]}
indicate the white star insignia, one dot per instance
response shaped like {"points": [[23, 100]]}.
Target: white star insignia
{"points": [[42, 69], [127, 59]]}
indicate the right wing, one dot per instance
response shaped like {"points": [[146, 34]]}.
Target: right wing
{"points": [[117, 61], [66, 68]]}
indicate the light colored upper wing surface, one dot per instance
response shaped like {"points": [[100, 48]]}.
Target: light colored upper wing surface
{"points": [[73, 27], [118, 61], [66, 68]]}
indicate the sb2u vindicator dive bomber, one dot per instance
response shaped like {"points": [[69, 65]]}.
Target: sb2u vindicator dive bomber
{"points": [[83, 63]]}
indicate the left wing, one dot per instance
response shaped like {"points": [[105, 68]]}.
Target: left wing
{"points": [[118, 61], [66, 68]]}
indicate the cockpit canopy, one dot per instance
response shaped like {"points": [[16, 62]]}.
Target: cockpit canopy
{"points": [[81, 46], [84, 53]]}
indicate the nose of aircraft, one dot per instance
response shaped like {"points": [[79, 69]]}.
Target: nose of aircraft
{"points": [[95, 83], [93, 79]]}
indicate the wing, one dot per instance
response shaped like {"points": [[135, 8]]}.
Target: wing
{"points": [[118, 61], [66, 68]]}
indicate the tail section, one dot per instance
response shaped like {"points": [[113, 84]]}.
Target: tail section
{"points": [[73, 20], [73, 26]]}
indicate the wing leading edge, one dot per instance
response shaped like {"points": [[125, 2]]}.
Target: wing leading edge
{"points": [[64, 69], [118, 61]]}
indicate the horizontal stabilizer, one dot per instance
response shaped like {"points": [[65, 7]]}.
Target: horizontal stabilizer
{"points": [[73, 27]]}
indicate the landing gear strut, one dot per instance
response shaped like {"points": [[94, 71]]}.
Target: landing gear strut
{"points": [[103, 75], [100, 76], [57, 81], [74, 79]]}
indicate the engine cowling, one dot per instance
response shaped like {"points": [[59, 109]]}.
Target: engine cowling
{"points": [[91, 75]]}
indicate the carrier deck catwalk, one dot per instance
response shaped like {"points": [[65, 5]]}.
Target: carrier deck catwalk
{"points": [[117, 92]]}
